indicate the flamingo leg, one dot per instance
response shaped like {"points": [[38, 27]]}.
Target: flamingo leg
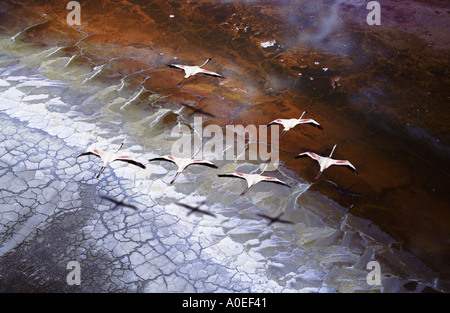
{"points": [[101, 170], [181, 82], [246, 189], [176, 175], [318, 175]]}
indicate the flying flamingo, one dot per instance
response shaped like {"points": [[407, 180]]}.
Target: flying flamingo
{"points": [[253, 179], [182, 163], [275, 219], [195, 209], [291, 123], [326, 162], [192, 70], [109, 157]]}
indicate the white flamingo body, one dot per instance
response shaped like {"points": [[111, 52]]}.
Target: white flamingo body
{"points": [[190, 70], [288, 124], [108, 157], [325, 162], [183, 163], [253, 179]]}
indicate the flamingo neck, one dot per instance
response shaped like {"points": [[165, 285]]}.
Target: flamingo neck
{"points": [[207, 60], [332, 150], [264, 168], [304, 112], [193, 156]]}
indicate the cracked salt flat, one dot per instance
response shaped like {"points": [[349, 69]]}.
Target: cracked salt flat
{"points": [[4, 83], [51, 213], [110, 231]]}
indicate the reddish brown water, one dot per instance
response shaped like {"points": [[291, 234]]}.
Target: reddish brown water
{"points": [[383, 99]]}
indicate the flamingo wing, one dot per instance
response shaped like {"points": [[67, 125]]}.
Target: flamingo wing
{"points": [[125, 158], [238, 175], [310, 122], [346, 164], [91, 152], [204, 162], [180, 66], [206, 72], [310, 154], [277, 121], [275, 180], [167, 158]]}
